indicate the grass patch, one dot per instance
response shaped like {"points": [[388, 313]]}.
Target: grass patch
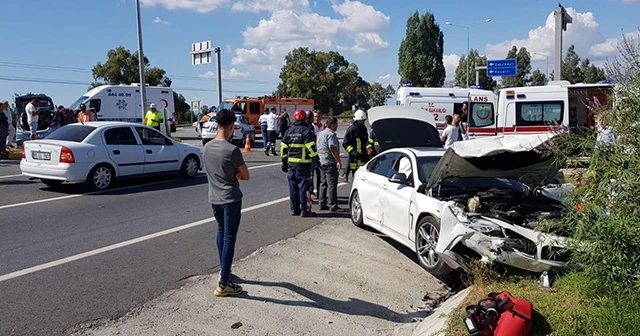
{"points": [[563, 310]]}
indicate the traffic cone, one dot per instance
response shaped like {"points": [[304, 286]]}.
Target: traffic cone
{"points": [[247, 144]]}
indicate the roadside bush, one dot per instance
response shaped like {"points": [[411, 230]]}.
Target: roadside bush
{"points": [[605, 226]]}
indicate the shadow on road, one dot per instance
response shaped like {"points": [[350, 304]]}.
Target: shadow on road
{"points": [[353, 306], [17, 182], [132, 186]]}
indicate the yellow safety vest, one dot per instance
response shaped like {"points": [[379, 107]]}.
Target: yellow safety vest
{"points": [[152, 119]]}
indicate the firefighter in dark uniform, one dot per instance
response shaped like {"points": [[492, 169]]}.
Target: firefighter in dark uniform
{"points": [[373, 147], [355, 143], [298, 153]]}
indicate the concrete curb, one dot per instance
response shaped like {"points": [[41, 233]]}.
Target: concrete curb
{"points": [[436, 323]]}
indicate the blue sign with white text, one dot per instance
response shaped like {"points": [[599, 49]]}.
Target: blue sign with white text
{"points": [[502, 68]]}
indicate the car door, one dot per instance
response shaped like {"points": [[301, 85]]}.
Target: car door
{"points": [[124, 150], [160, 154], [395, 198], [370, 186]]}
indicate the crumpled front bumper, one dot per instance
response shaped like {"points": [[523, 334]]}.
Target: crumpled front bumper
{"points": [[517, 247]]}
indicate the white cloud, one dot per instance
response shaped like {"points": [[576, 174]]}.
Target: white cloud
{"points": [[256, 6], [233, 73], [293, 24], [202, 6], [158, 20], [583, 33], [450, 64]]}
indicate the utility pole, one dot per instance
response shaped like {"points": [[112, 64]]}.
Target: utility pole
{"points": [[468, 28], [219, 73], [562, 20], [143, 85]]}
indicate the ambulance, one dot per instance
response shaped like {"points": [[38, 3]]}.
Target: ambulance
{"points": [[543, 109], [253, 107], [122, 102], [441, 102]]}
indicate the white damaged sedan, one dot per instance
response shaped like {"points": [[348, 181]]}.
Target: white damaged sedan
{"points": [[480, 199]]}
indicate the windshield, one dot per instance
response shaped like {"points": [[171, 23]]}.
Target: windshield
{"points": [[225, 105], [75, 133], [77, 103], [426, 165]]}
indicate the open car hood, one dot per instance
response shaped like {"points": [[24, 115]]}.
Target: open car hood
{"points": [[518, 157], [400, 126]]}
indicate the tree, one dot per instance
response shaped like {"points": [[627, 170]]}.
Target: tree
{"points": [[122, 67], [538, 78], [182, 108], [378, 94], [475, 59], [327, 77], [591, 73], [523, 58], [420, 57], [570, 66]]}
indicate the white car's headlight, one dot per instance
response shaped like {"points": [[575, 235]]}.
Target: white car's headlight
{"points": [[484, 226]]}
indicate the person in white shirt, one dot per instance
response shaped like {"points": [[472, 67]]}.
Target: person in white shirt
{"points": [[263, 130], [450, 133], [4, 108], [32, 117], [272, 128]]}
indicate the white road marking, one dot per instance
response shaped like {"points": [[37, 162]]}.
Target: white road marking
{"points": [[10, 176], [112, 247], [15, 205]]}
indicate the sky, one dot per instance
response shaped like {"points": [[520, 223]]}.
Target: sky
{"points": [[50, 46]]}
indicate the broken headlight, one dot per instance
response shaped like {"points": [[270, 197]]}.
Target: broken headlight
{"points": [[485, 227]]}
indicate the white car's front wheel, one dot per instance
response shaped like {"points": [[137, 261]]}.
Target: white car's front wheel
{"points": [[427, 234], [357, 215]]}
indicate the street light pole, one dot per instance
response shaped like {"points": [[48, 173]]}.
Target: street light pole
{"points": [[468, 28], [143, 85]]}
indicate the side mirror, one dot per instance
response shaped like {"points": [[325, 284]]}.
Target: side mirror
{"points": [[399, 178]]}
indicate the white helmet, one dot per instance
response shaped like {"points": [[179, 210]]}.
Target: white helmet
{"points": [[152, 105], [359, 115]]}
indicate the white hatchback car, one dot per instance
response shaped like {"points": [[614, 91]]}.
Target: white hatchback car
{"points": [[241, 129], [480, 199], [96, 153]]}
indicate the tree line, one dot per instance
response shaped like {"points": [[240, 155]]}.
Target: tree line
{"points": [[336, 85]]}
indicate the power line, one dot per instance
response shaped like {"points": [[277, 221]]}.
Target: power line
{"points": [[72, 82], [84, 70]]}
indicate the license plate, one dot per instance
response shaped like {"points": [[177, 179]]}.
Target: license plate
{"points": [[41, 156]]}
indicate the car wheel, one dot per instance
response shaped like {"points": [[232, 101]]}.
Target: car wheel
{"points": [[51, 183], [357, 216], [427, 234], [101, 177], [189, 167]]}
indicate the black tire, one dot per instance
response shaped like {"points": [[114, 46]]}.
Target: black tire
{"points": [[357, 215], [51, 183], [190, 166], [101, 177], [427, 234]]}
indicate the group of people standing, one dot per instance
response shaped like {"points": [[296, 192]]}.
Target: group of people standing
{"points": [[454, 129]]}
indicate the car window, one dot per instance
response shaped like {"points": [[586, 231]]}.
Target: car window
{"points": [[426, 165], [254, 108], [539, 113], [120, 136], [403, 165], [383, 165], [71, 133], [152, 137]]}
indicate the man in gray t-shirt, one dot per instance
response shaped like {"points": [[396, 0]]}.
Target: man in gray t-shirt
{"points": [[329, 155], [224, 165]]}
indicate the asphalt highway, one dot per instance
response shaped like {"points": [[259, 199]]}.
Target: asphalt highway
{"points": [[70, 257]]}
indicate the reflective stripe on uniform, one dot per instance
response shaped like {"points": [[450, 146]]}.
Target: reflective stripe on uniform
{"points": [[349, 149], [283, 147], [358, 145], [296, 160], [309, 146]]}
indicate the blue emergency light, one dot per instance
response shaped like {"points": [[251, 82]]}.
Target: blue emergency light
{"points": [[407, 84], [414, 93], [452, 94], [606, 81]]}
